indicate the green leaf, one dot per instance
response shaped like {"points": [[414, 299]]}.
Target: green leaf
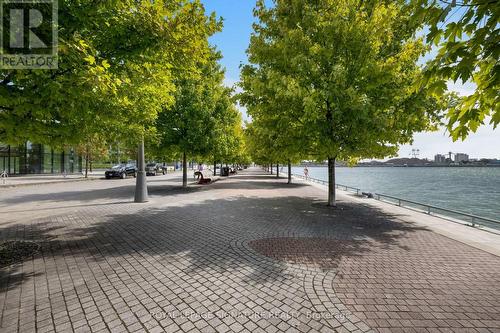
{"points": [[90, 59]]}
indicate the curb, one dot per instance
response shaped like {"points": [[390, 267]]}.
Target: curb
{"points": [[49, 182]]}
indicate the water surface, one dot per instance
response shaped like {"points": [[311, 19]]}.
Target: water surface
{"points": [[470, 190]]}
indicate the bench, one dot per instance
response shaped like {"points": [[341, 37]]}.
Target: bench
{"points": [[203, 177]]}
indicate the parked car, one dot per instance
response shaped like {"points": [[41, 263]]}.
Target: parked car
{"points": [[121, 171], [153, 169]]}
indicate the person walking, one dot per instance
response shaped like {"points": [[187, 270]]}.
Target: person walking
{"points": [[306, 172]]}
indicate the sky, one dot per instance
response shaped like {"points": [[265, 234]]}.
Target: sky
{"points": [[233, 42]]}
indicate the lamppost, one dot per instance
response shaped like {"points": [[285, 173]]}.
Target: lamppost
{"points": [[141, 186]]}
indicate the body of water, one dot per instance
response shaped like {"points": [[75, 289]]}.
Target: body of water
{"points": [[470, 190]]}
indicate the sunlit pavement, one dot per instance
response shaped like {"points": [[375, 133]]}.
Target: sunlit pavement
{"points": [[245, 254]]}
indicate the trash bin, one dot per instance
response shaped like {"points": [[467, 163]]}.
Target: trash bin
{"points": [[224, 172]]}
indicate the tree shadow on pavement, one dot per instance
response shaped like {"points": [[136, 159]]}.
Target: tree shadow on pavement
{"points": [[121, 193], [11, 277], [197, 238], [156, 188]]}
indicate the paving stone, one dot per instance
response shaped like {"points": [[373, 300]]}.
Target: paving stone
{"points": [[250, 247]]}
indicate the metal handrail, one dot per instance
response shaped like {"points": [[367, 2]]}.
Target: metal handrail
{"points": [[474, 219], [428, 209], [337, 186]]}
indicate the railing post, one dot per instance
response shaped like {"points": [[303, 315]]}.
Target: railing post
{"points": [[399, 202], [472, 221], [429, 210]]}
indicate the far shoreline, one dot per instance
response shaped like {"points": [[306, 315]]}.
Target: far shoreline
{"points": [[397, 166]]}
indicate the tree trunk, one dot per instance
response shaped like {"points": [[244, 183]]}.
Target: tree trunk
{"points": [[331, 182], [87, 162], [277, 170], [184, 170], [271, 168], [141, 185], [215, 168], [289, 172]]}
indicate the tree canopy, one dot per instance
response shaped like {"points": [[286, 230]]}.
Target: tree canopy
{"points": [[117, 62], [203, 122], [466, 36], [336, 78]]}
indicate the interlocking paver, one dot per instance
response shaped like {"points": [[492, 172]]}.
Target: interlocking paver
{"points": [[249, 253]]}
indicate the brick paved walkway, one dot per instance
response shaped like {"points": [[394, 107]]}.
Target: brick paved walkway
{"points": [[246, 254]]}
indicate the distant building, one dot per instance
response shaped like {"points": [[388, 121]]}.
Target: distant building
{"points": [[460, 157], [439, 158], [30, 158]]}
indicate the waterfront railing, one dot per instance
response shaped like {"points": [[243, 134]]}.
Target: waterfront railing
{"points": [[445, 213], [337, 186], [470, 219]]}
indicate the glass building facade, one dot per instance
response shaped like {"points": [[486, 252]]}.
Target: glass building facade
{"points": [[33, 158]]}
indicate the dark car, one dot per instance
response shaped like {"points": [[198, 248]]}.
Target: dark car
{"points": [[153, 169], [121, 171]]}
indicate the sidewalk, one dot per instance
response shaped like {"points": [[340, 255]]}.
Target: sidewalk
{"points": [[44, 179], [27, 180], [246, 254]]}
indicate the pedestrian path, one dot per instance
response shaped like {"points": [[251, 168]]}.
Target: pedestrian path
{"points": [[29, 180], [250, 253]]}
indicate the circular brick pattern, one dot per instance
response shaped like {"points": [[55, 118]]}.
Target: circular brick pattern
{"points": [[311, 259], [108, 265], [311, 252]]}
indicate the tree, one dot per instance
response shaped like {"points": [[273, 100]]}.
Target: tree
{"points": [[349, 68], [230, 138], [204, 122], [269, 146], [94, 148], [116, 66], [225, 135], [236, 140], [275, 134], [188, 126], [185, 127], [466, 35]]}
